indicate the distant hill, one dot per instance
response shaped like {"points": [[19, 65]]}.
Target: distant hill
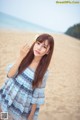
{"points": [[74, 31]]}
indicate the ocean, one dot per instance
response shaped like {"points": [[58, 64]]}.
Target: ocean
{"points": [[11, 22]]}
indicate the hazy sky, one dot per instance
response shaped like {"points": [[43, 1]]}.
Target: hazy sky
{"points": [[43, 12]]}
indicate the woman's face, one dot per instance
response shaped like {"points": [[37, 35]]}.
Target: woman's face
{"points": [[40, 49]]}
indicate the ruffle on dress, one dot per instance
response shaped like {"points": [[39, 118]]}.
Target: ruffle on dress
{"points": [[18, 93]]}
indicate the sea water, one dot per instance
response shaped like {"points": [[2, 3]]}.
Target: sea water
{"points": [[10, 22]]}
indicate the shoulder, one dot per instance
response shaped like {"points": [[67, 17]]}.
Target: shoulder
{"points": [[46, 73], [45, 78]]}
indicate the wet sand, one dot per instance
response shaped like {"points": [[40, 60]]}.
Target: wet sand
{"points": [[62, 101]]}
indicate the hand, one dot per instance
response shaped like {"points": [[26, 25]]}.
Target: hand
{"points": [[30, 117], [0, 109], [24, 50]]}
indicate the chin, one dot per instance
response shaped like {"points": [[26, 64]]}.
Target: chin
{"points": [[36, 54]]}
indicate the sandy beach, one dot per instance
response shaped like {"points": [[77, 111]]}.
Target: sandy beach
{"points": [[62, 93]]}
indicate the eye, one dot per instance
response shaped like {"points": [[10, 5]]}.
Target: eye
{"points": [[38, 43]]}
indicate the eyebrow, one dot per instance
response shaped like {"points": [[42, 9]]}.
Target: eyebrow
{"points": [[44, 43]]}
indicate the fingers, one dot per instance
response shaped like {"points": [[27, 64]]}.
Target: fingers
{"points": [[25, 46]]}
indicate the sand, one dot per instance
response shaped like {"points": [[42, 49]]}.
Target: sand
{"points": [[62, 92]]}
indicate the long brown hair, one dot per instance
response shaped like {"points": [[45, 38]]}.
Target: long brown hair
{"points": [[44, 62]]}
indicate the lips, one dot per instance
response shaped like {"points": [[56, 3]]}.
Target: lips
{"points": [[37, 51]]}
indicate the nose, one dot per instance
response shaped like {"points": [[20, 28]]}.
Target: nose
{"points": [[39, 47]]}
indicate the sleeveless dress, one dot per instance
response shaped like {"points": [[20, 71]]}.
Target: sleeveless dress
{"points": [[17, 94]]}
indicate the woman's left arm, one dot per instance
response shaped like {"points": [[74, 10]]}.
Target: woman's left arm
{"points": [[38, 97], [31, 115]]}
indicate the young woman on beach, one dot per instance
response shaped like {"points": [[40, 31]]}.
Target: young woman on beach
{"points": [[23, 92]]}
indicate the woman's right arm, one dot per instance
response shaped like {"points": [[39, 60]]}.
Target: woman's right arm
{"points": [[23, 52], [14, 68]]}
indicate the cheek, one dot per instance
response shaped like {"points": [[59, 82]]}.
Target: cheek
{"points": [[44, 51]]}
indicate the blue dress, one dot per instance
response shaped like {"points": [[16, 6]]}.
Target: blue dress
{"points": [[17, 94]]}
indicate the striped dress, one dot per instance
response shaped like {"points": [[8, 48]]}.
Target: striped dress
{"points": [[17, 94]]}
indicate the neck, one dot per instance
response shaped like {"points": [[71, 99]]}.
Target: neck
{"points": [[37, 59]]}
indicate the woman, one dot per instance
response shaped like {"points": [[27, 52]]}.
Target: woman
{"points": [[23, 91]]}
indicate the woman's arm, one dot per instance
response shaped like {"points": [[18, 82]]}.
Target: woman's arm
{"points": [[23, 52], [31, 115], [14, 68]]}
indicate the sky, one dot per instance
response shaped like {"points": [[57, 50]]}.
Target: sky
{"points": [[47, 13]]}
